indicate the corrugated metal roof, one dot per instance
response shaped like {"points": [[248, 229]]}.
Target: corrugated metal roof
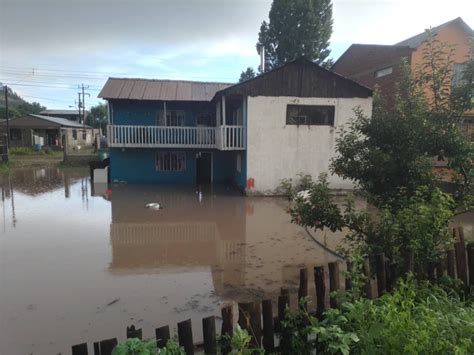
{"points": [[64, 122], [166, 90], [415, 41], [59, 112]]}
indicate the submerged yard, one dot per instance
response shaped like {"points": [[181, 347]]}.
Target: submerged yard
{"points": [[77, 267]]}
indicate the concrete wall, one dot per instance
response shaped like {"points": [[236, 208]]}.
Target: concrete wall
{"points": [[276, 151]]}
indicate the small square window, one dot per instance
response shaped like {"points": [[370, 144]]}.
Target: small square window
{"points": [[383, 72]]}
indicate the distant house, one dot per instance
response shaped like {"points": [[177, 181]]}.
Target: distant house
{"points": [[372, 64], [252, 134], [72, 115], [53, 130]]}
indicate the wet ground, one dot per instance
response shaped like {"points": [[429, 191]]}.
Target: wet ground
{"points": [[79, 268]]}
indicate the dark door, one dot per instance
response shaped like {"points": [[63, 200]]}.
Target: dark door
{"points": [[204, 169]]}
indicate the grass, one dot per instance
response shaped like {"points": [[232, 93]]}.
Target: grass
{"points": [[28, 151]]}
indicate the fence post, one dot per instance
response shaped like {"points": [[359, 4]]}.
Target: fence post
{"points": [[320, 286], [268, 333], [303, 289], [460, 250], [283, 303], [80, 349], [132, 332], [209, 335], [450, 263], [381, 273], [440, 268], [470, 262], [368, 283], [185, 336], [107, 346], [162, 336], [227, 328], [348, 281], [333, 283], [250, 318]]}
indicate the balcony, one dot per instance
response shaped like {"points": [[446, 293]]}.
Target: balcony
{"points": [[132, 136]]}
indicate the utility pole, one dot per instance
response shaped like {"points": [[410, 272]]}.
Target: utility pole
{"points": [[83, 103], [79, 107], [6, 116]]}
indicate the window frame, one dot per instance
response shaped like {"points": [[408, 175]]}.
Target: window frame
{"points": [[160, 121], [165, 163], [305, 119], [380, 73]]}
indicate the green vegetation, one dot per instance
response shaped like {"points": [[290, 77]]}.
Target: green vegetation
{"points": [[97, 117], [296, 28], [136, 346], [389, 157], [414, 319], [17, 107]]}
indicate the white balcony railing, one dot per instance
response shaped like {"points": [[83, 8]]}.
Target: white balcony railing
{"points": [[132, 136]]}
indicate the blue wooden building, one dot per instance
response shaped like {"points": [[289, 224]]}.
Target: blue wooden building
{"points": [[251, 134]]}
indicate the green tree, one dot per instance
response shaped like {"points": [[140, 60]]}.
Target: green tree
{"points": [[249, 73], [296, 28], [389, 157], [97, 117]]}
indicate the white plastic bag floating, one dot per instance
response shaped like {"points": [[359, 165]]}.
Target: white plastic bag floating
{"points": [[154, 206]]}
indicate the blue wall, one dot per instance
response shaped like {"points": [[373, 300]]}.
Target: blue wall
{"points": [[145, 113], [135, 165]]}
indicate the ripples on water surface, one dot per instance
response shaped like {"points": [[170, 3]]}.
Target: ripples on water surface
{"points": [[80, 268]]}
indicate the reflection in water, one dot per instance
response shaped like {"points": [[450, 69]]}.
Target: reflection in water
{"points": [[75, 248]]}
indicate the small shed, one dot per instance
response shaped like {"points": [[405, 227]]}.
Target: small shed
{"points": [[32, 129]]}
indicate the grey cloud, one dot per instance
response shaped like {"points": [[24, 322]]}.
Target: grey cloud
{"points": [[67, 26]]}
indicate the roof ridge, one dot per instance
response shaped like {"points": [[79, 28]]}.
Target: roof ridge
{"points": [[175, 81]]}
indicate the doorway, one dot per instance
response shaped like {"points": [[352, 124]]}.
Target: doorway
{"points": [[204, 168]]}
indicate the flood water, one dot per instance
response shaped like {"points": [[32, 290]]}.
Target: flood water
{"points": [[79, 268]]}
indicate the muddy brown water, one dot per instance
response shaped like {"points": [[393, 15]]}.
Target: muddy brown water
{"points": [[79, 263]]}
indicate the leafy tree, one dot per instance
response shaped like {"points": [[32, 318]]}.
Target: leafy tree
{"points": [[389, 157], [97, 117], [18, 107], [296, 28], [247, 74]]}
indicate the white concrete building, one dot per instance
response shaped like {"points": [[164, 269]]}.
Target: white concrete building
{"points": [[253, 134]]}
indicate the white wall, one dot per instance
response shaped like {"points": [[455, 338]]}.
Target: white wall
{"points": [[276, 151]]}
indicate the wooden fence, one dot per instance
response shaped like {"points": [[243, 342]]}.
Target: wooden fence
{"points": [[258, 317]]}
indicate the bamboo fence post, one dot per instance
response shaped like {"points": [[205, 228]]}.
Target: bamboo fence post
{"points": [[320, 290]]}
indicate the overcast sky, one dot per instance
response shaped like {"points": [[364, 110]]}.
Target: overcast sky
{"points": [[48, 47]]}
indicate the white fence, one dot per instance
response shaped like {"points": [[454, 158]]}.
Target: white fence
{"points": [[132, 136]]}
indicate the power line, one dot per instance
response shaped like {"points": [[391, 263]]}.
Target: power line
{"points": [[50, 86]]}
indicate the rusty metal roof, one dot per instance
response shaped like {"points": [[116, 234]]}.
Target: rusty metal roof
{"points": [[167, 90]]}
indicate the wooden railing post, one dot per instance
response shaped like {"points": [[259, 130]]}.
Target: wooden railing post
{"points": [[209, 335], [460, 250], [381, 273], [470, 262], [268, 332], [227, 329]]}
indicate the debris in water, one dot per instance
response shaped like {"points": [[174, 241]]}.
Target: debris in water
{"points": [[113, 302], [154, 206]]}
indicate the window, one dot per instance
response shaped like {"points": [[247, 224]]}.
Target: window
{"points": [[74, 134], [310, 115], [15, 134], [458, 74], [383, 72], [173, 118], [171, 161], [204, 119]]}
